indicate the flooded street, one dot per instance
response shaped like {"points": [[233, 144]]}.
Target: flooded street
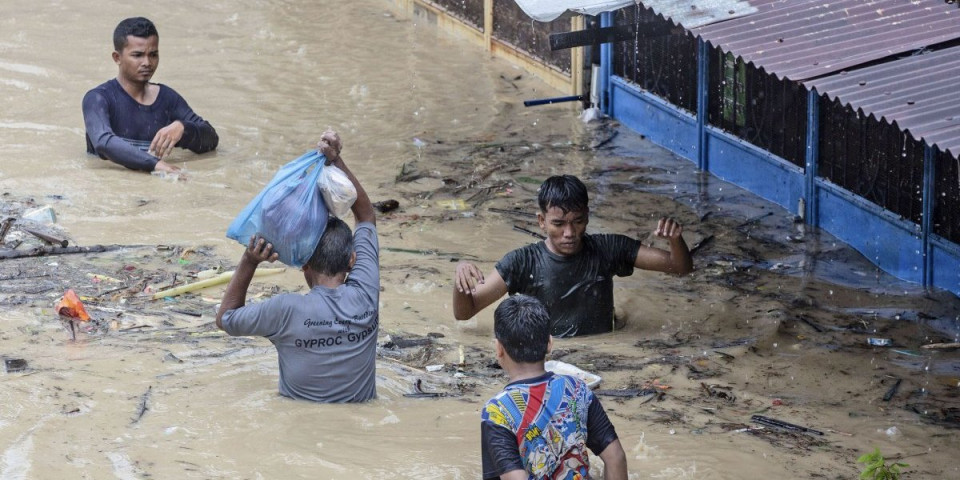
{"points": [[774, 321]]}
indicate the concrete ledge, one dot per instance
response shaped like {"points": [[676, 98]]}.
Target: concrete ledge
{"points": [[946, 264], [654, 117], [746, 165], [888, 241]]}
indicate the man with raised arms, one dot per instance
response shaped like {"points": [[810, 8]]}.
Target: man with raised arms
{"points": [[326, 339], [570, 271]]}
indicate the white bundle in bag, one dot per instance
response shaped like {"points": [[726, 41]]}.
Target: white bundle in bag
{"points": [[337, 190]]}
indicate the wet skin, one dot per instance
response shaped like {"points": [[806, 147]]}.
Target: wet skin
{"points": [[138, 62], [564, 230]]}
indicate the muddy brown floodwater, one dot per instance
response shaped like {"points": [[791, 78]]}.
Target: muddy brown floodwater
{"points": [[774, 321]]}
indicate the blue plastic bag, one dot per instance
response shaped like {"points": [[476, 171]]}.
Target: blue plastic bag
{"points": [[289, 212]]}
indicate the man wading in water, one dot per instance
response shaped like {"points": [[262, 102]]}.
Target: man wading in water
{"points": [[571, 272], [136, 123], [326, 340]]}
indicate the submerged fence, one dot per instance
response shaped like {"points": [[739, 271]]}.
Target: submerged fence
{"points": [[865, 180], [946, 210], [503, 29], [665, 65]]}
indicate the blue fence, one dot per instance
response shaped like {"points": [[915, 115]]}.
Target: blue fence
{"points": [[902, 220]]}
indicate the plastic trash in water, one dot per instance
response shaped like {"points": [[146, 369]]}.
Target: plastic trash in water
{"points": [[562, 368], [591, 114], [70, 306], [14, 365], [456, 204], [44, 214], [879, 342], [71, 311]]}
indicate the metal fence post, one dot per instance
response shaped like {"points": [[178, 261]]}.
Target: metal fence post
{"points": [[811, 211], [606, 66], [926, 224], [703, 81]]}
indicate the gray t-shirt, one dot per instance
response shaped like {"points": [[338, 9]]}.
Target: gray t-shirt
{"points": [[577, 290], [326, 340]]}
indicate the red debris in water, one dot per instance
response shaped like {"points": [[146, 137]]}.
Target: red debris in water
{"points": [[71, 307]]}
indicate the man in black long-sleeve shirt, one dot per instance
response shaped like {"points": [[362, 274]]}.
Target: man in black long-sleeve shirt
{"points": [[136, 123]]}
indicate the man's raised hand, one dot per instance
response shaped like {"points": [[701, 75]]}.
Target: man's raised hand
{"points": [[468, 277], [258, 250], [669, 228]]}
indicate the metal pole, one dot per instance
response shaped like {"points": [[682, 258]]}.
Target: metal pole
{"points": [[811, 210], [550, 101], [703, 83], [926, 223], [606, 65]]}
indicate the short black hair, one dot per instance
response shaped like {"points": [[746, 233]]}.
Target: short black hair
{"points": [[565, 192], [522, 325], [136, 26], [332, 255]]}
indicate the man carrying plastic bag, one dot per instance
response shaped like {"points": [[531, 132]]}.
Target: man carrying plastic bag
{"points": [[326, 338], [291, 211]]}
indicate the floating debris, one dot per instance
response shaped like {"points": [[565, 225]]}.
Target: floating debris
{"points": [[418, 392], [892, 391], [771, 422], [142, 405], [14, 365], [386, 206]]}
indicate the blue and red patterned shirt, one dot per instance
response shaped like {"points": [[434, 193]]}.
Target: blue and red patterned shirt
{"points": [[544, 425]]}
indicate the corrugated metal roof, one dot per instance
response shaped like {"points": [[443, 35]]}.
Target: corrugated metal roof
{"points": [[695, 13], [689, 13], [921, 94], [549, 10], [810, 41], [803, 39]]}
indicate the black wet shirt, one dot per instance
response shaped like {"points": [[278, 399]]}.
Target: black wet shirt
{"points": [[577, 290], [121, 129]]}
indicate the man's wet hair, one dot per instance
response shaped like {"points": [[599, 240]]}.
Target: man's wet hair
{"points": [[565, 192], [137, 26], [522, 325], [332, 255]]}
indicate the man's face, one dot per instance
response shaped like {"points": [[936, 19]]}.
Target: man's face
{"points": [[139, 59], [564, 230]]}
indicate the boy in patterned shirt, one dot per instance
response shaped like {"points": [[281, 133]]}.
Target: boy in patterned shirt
{"points": [[541, 424]]}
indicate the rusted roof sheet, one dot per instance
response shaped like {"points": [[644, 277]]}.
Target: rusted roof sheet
{"points": [[804, 39], [921, 94]]}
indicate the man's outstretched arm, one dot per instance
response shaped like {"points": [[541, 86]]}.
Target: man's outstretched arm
{"points": [[258, 250], [472, 292]]}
